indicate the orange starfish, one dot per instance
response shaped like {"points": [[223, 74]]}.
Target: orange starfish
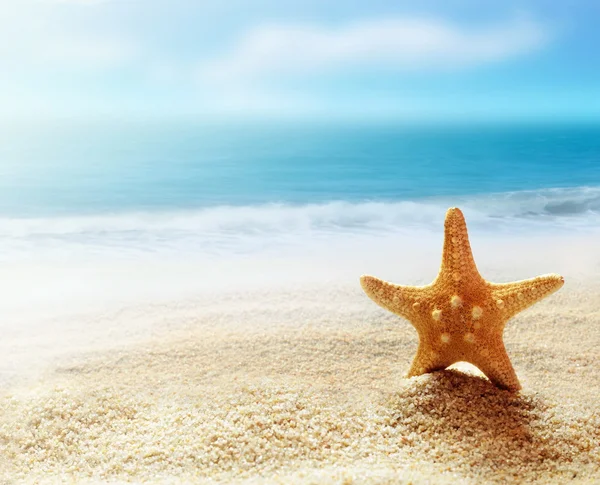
{"points": [[461, 316]]}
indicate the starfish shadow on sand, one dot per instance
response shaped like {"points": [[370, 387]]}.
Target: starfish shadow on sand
{"points": [[448, 414]]}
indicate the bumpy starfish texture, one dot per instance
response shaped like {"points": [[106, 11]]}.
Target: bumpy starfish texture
{"points": [[461, 316]]}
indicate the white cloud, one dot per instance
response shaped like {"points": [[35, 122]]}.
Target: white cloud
{"points": [[88, 52], [401, 44], [36, 37]]}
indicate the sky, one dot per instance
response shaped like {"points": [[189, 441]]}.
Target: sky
{"points": [[462, 59]]}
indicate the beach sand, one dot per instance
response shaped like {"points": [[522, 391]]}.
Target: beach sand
{"points": [[306, 385]]}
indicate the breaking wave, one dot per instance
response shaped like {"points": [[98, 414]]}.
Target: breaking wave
{"points": [[246, 228]]}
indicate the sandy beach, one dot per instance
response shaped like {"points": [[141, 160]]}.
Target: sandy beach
{"points": [[218, 217], [306, 385]]}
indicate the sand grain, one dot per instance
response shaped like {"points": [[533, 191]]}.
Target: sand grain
{"points": [[317, 399]]}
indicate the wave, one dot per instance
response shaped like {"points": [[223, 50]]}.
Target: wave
{"points": [[553, 202], [257, 226]]}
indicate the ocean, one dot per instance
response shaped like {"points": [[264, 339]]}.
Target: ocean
{"points": [[101, 208]]}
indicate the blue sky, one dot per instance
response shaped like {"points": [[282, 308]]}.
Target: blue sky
{"points": [[446, 59]]}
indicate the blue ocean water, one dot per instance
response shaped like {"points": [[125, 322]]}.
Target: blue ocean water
{"points": [[98, 168], [149, 185]]}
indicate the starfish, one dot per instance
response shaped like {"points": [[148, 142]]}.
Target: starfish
{"points": [[461, 316]]}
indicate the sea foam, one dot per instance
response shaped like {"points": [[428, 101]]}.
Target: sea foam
{"points": [[226, 230]]}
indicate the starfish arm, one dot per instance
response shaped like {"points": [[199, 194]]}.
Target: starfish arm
{"points": [[400, 300], [457, 257], [497, 367], [511, 298], [426, 360]]}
